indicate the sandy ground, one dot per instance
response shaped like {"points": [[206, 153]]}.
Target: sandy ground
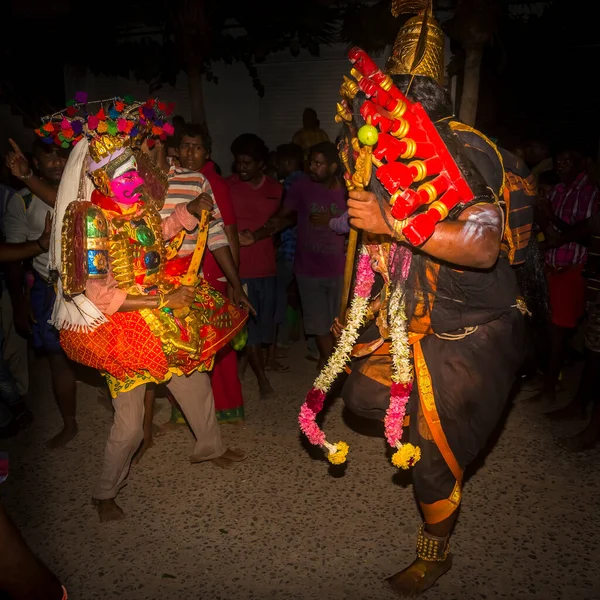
{"points": [[281, 526]]}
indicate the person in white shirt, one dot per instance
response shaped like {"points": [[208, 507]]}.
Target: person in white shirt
{"points": [[24, 220]]}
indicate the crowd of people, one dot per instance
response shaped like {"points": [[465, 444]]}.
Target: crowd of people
{"points": [[567, 229]]}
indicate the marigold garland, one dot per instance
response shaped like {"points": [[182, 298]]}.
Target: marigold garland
{"points": [[406, 456], [337, 452]]}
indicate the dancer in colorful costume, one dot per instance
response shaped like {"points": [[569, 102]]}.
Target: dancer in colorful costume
{"points": [[434, 334], [119, 308]]}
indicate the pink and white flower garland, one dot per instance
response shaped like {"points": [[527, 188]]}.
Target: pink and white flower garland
{"points": [[365, 277], [406, 454]]}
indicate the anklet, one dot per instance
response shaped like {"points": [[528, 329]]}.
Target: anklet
{"points": [[432, 548]]}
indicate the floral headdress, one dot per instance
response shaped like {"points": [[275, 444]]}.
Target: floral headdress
{"points": [[109, 125]]}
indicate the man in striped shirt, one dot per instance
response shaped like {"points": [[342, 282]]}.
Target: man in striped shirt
{"points": [[570, 204], [184, 187]]}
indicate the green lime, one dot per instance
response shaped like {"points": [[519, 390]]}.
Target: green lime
{"points": [[368, 135]]}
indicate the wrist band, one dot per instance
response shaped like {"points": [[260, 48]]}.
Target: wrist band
{"points": [[27, 176], [65, 595]]}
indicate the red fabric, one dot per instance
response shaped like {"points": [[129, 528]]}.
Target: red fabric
{"points": [[566, 288], [226, 386], [253, 207], [222, 195], [221, 192], [123, 346], [126, 345]]}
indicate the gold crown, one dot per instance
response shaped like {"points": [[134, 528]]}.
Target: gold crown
{"points": [[105, 145], [409, 57]]}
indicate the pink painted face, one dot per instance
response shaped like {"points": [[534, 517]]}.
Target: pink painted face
{"points": [[127, 188]]}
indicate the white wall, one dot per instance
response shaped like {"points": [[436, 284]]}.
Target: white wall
{"points": [[295, 83], [231, 105]]}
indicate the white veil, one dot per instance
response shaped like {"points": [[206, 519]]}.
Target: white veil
{"points": [[76, 313]]}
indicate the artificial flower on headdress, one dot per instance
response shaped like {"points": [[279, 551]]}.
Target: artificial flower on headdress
{"points": [[123, 119]]}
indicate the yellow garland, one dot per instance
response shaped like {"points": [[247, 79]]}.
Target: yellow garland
{"points": [[339, 456], [406, 456]]}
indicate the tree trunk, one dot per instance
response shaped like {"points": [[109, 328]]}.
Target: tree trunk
{"points": [[196, 94], [470, 89]]}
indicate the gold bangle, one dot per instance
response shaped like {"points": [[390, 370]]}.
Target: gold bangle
{"points": [[397, 228], [163, 302]]}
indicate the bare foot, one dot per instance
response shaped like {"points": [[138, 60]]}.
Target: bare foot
{"points": [[419, 576], [108, 510], [146, 445], [63, 438], [228, 458], [573, 411]]}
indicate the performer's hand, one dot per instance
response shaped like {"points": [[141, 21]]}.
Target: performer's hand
{"points": [[337, 328], [320, 219], [365, 213], [202, 202], [246, 238], [16, 161], [44, 239], [241, 300], [180, 298]]}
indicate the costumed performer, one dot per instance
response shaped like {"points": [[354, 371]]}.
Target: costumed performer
{"points": [[434, 335], [118, 309]]}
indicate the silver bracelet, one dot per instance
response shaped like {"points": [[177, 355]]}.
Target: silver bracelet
{"points": [[28, 176]]}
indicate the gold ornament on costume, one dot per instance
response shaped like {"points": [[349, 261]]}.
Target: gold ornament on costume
{"points": [[419, 45], [105, 145]]}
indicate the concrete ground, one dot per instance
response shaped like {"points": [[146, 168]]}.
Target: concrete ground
{"points": [[281, 526]]}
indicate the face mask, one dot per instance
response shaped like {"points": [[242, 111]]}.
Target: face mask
{"points": [[126, 187]]}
